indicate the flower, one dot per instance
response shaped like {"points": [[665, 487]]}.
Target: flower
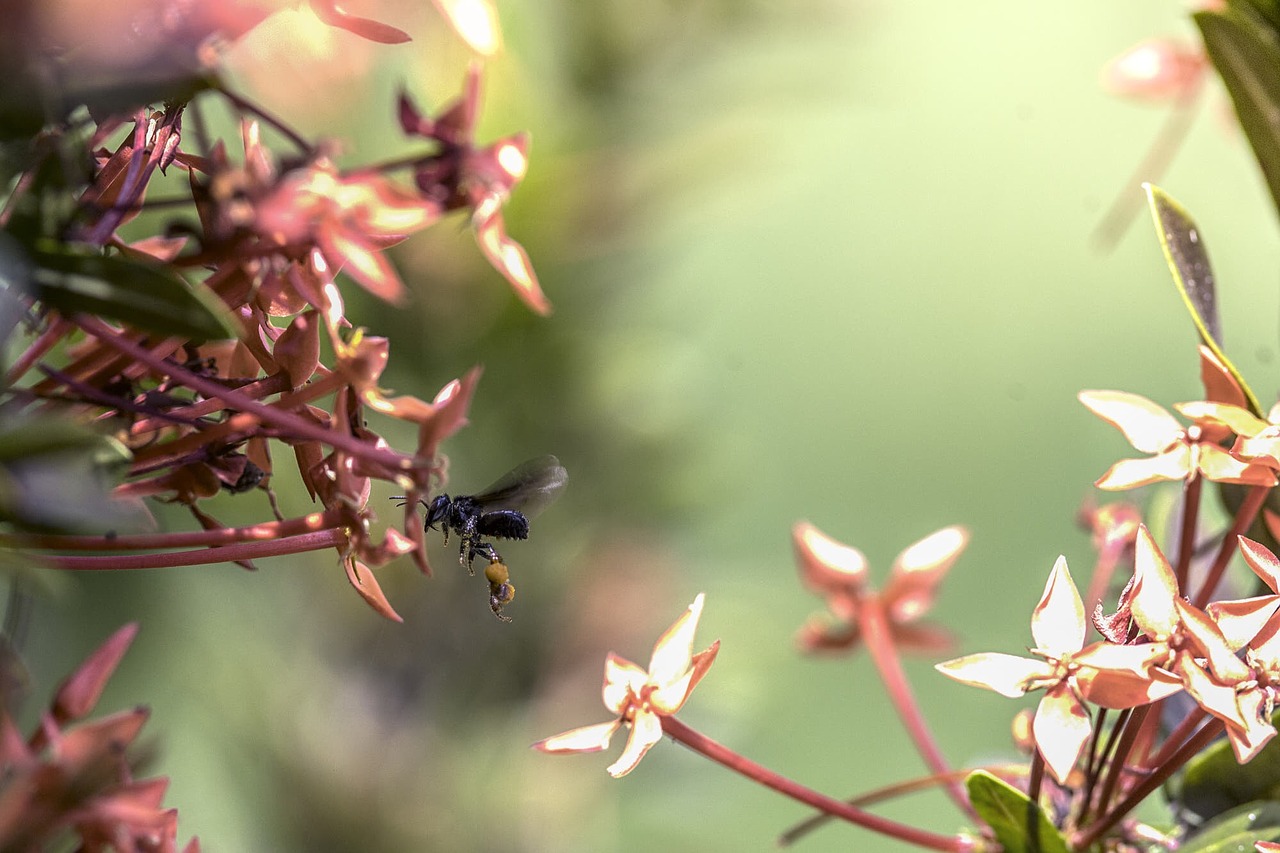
{"points": [[641, 699], [1104, 673], [839, 573], [480, 179], [1179, 453]]}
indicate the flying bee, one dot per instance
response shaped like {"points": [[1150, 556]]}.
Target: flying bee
{"points": [[501, 511]]}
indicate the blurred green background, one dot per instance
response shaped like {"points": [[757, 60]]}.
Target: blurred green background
{"points": [[810, 260]]}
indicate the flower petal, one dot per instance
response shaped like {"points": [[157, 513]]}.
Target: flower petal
{"points": [[623, 681], [1220, 466], [1133, 473], [1057, 623], [672, 654], [1264, 563], [825, 564], [1239, 420], [1060, 728], [1241, 620], [646, 730], [1154, 589], [1007, 675], [916, 573], [591, 738], [1147, 426]]}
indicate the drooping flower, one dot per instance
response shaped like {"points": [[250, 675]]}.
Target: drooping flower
{"points": [[641, 699], [838, 572]]}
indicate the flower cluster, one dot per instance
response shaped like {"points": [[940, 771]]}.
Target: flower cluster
{"points": [[71, 777], [192, 353]]}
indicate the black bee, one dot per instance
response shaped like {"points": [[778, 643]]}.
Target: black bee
{"points": [[501, 511]]}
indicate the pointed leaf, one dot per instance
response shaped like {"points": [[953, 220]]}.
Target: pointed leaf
{"points": [[1237, 829], [1019, 824], [144, 295], [1214, 782], [1188, 261], [1244, 50]]}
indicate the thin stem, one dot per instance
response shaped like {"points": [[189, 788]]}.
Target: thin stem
{"points": [[1177, 736], [1190, 511], [248, 106], [721, 754], [296, 425], [1115, 767], [188, 539], [1245, 515], [884, 652], [202, 556], [1101, 760], [1085, 838], [1008, 772]]}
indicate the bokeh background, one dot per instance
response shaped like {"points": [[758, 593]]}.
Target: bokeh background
{"points": [[821, 259]]}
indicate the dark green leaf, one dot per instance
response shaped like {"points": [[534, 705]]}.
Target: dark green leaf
{"points": [[144, 295], [1244, 50], [57, 475], [1019, 824], [29, 437], [1213, 782], [1268, 9], [1236, 830], [1188, 260]]}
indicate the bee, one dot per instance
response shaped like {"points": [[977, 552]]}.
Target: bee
{"points": [[501, 511]]}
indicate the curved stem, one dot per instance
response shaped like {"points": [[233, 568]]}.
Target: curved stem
{"points": [[721, 754], [201, 556], [879, 640]]}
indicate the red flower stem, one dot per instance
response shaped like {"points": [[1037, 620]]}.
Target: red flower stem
{"points": [[1116, 765], [47, 340], [203, 408], [1176, 737], [203, 556], [1087, 837], [189, 539], [1096, 759], [721, 754], [244, 105], [295, 425], [1245, 515], [1011, 773], [1190, 512], [1035, 777], [884, 653]]}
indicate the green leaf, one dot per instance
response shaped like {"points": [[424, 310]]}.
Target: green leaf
{"points": [[1019, 824], [146, 296], [1243, 47], [1268, 9], [1213, 782], [57, 475], [1188, 260], [1236, 830]]}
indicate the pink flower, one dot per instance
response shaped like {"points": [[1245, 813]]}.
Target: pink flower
{"points": [[641, 699]]}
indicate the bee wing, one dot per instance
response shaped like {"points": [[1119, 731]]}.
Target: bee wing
{"points": [[529, 487]]}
